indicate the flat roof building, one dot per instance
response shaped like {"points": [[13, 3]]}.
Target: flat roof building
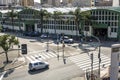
{"points": [[106, 24]]}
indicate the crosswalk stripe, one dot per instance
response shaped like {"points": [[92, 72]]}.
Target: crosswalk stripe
{"points": [[33, 58], [28, 58], [53, 54], [37, 57], [42, 56], [45, 55], [94, 64], [84, 61]]}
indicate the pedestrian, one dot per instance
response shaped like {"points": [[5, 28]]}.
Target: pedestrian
{"points": [[58, 57]]}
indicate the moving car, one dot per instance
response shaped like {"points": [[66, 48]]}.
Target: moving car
{"points": [[35, 65]]}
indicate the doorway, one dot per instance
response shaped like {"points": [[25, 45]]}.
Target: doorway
{"points": [[30, 28], [100, 32]]}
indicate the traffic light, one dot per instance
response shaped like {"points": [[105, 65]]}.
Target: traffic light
{"points": [[24, 48]]}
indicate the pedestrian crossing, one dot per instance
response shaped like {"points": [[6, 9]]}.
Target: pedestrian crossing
{"points": [[83, 61], [40, 55]]}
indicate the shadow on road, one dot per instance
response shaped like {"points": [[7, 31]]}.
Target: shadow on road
{"points": [[10, 71], [37, 71]]}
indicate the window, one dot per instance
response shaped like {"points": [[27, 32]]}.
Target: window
{"points": [[35, 64], [113, 29], [41, 63]]}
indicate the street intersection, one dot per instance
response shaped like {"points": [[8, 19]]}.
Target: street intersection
{"points": [[77, 60]]}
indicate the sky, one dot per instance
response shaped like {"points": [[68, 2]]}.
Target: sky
{"points": [[37, 1]]}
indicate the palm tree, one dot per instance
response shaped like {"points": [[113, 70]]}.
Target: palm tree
{"points": [[77, 19], [47, 16], [12, 15], [19, 19], [42, 14], [6, 41], [56, 16]]}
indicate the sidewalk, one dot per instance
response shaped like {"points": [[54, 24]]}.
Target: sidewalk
{"points": [[14, 61]]}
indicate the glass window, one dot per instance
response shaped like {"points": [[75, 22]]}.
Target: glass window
{"points": [[35, 64], [96, 12], [41, 63], [99, 12], [115, 29]]}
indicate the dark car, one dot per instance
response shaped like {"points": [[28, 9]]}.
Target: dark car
{"points": [[34, 34], [26, 33]]}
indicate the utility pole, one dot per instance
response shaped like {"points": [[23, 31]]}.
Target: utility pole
{"points": [[92, 75], [58, 46], [64, 60], [47, 42], [99, 57]]}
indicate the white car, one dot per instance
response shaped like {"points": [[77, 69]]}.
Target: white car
{"points": [[67, 39], [35, 65]]}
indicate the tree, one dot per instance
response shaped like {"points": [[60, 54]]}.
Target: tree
{"points": [[81, 18], [47, 15], [6, 41], [12, 15], [77, 19], [19, 19], [42, 14], [56, 16]]}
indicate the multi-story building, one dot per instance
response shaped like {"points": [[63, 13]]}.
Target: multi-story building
{"points": [[55, 3], [6, 2], [80, 3], [106, 24], [44, 1], [103, 3], [26, 2]]}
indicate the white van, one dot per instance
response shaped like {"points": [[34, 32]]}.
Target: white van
{"points": [[35, 65]]}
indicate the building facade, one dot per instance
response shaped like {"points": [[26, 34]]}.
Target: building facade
{"points": [[6, 2], [27, 3], [106, 24]]}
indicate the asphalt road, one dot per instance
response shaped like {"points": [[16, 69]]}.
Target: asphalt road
{"points": [[58, 70]]}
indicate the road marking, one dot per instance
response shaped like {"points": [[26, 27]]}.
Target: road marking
{"points": [[84, 61], [41, 56]]}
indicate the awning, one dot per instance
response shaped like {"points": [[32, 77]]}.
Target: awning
{"points": [[100, 25], [32, 22]]}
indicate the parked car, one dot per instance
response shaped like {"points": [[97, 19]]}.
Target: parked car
{"points": [[26, 33], [35, 65], [44, 36], [31, 33], [66, 39], [34, 34]]}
